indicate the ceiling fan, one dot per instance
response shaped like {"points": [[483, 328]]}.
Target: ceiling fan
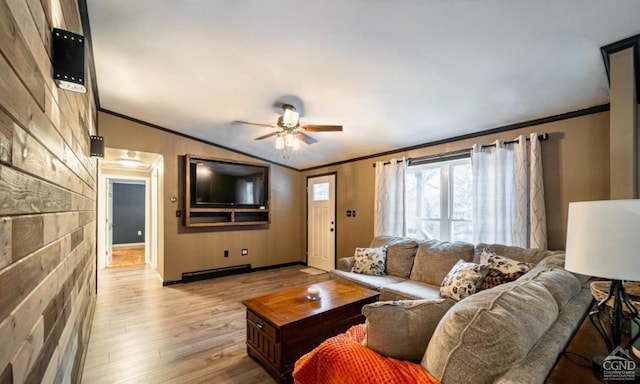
{"points": [[289, 127]]}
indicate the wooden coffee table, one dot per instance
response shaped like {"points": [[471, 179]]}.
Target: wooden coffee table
{"points": [[285, 325]]}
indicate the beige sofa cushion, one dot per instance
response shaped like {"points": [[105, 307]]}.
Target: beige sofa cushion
{"points": [[533, 255], [562, 284], [409, 290], [400, 254], [553, 261], [435, 259], [482, 336], [372, 282], [402, 329], [557, 261]]}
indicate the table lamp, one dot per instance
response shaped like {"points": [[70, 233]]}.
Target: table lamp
{"points": [[603, 240]]}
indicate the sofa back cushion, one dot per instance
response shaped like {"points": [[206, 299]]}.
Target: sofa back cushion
{"points": [[554, 261], [435, 259], [400, 254], [533, 255], [562, 284], [482, 336]]}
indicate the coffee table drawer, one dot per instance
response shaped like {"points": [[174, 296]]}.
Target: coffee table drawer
{"points": [[261, 339], [262, 325]]}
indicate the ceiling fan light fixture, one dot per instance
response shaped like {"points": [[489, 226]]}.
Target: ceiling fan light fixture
{"points": [[290, 133], [289, 139], [279, 142], [290, 116], [287, 142]]}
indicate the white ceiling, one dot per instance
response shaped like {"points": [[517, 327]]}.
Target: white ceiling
{"points": [[393, 73]]}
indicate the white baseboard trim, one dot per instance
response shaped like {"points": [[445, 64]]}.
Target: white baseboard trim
{"points": [[128, 245]]}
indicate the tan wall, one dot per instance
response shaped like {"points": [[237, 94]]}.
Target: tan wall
{"points": [[576, 168], [47, 202], [195, 249], [624, 131]]}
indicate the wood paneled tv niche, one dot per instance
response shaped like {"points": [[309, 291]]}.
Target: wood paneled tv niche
{"points": [[225, 193]]}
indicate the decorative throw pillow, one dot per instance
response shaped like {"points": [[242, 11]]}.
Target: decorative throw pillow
{"points": [[495, 277], [370, 261], [501, 269], [463, 280]]}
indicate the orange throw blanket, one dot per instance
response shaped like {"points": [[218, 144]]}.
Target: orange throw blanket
{"points": [[344, 359]]}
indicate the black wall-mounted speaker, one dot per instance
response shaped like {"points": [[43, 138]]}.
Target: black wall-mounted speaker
{"points": [[97, 146], [68, 60]]}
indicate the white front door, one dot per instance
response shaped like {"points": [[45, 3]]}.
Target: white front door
{"points": [[321, 225]]}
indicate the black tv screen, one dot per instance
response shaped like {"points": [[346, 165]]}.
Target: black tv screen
{"points": [[220, 184]]}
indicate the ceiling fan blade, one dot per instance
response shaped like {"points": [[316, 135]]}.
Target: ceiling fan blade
{"points": [[322, 128], [306, 138], [267, 135], [250, 123]]}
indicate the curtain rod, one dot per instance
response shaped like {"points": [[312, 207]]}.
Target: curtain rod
{"points": [[460, 152]]}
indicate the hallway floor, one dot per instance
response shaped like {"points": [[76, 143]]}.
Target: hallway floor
{"points": [[125, 257]]}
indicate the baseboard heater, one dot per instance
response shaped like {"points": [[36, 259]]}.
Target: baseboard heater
{"points": [[217, 272]]}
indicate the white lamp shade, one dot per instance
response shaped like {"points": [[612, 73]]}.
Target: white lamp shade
{"points": [[279, 142], [603, 239], [290, 117], [288, 140]]}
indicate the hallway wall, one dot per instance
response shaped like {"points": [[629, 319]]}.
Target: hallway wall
{"points": [[128, 213]]}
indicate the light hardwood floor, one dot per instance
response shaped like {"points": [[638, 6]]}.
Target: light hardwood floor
{"points": [[186, 333], [124, 257]]}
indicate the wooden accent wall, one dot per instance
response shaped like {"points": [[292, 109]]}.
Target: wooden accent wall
{"points": [[47, 201]]}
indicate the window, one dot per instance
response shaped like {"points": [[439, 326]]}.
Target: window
{"points": [[439, 200], [321, 192]]}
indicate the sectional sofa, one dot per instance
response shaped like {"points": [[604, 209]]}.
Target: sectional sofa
{"points": [[508, 333]]}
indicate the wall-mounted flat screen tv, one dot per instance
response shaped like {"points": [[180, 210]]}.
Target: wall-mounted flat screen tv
{"points": [[222, 184]]}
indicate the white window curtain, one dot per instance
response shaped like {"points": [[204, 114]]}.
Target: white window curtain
{"points": [[389, 200], [508, 194]]}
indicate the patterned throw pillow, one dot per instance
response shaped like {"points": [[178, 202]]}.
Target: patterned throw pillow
{"points": [[463, 280], [370, 261], [501, 269]]}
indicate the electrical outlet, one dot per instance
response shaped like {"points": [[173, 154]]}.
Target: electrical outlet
{"points": [[245, 252], [226, 253], [139, 233]]}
